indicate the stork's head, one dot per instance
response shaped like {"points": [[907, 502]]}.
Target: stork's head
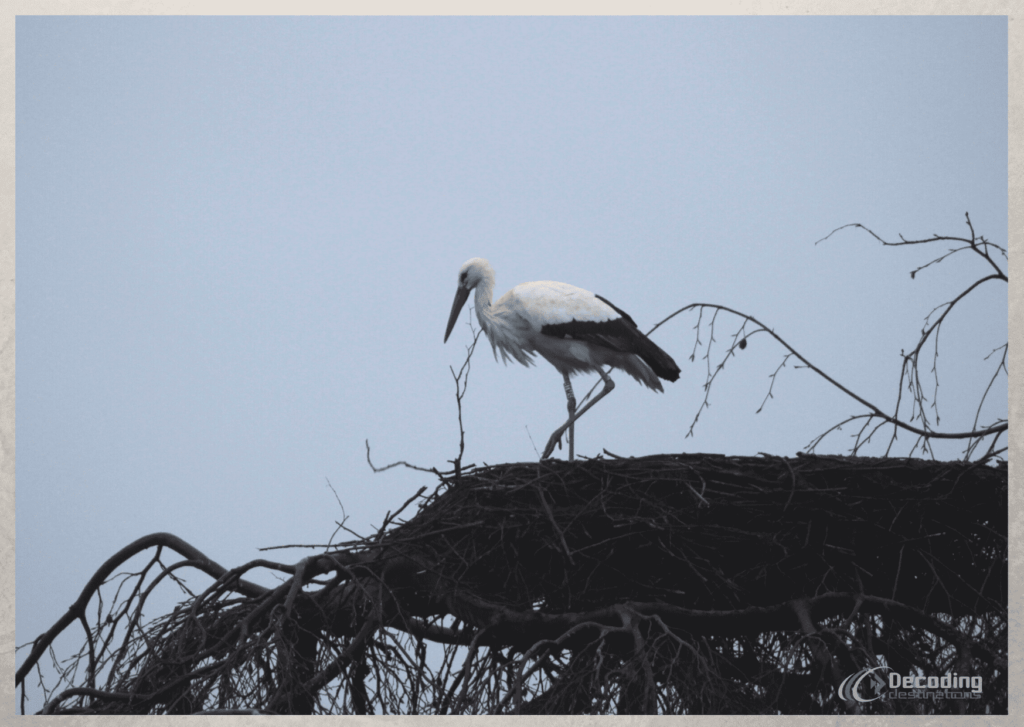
{"points": [[471, 274]]}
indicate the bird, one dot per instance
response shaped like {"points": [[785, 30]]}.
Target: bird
{"points": [[574, 329]]}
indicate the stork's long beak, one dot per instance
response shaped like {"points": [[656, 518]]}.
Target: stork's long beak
{"points": [[460, 300]]}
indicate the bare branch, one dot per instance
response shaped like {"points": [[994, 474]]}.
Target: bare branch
{"points": [[77, 609], [461, 383], [876, 411], [393, 464], [772, 385], [978, 245]]}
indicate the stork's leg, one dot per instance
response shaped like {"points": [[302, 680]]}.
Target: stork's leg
{"points": [[572, 413], [557, 435]]}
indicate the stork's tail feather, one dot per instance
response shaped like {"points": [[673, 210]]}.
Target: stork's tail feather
{"points": [[659, 361]]}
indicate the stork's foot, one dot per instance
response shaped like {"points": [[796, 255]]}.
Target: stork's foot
{"points": [[556, 439]]}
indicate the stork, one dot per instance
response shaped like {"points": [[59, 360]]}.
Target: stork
{"points": [[575, 330]]}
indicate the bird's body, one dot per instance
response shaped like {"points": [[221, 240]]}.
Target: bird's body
{"points": [[575, 330]]}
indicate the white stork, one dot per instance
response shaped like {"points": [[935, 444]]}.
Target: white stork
{"points": [[572, 328]]}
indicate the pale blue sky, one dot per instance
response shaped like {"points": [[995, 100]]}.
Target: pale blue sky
{"points": [[238, 242]]}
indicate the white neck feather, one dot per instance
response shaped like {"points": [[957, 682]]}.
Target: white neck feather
{"points": [[482, 301], [496, 323]]}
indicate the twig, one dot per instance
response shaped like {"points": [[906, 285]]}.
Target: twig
{"points": [[395, 464]]}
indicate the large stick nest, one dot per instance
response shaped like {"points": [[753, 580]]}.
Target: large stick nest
{"points": [[715, 533], [671, 584]]}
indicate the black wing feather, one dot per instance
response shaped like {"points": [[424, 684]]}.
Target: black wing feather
{"points": [[617, 334], [618, 310]]}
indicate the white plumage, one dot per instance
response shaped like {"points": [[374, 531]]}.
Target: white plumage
{"points": [[575, 330]]}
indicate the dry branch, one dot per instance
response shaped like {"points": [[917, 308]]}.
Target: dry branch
{"points": [[910, 377]]}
